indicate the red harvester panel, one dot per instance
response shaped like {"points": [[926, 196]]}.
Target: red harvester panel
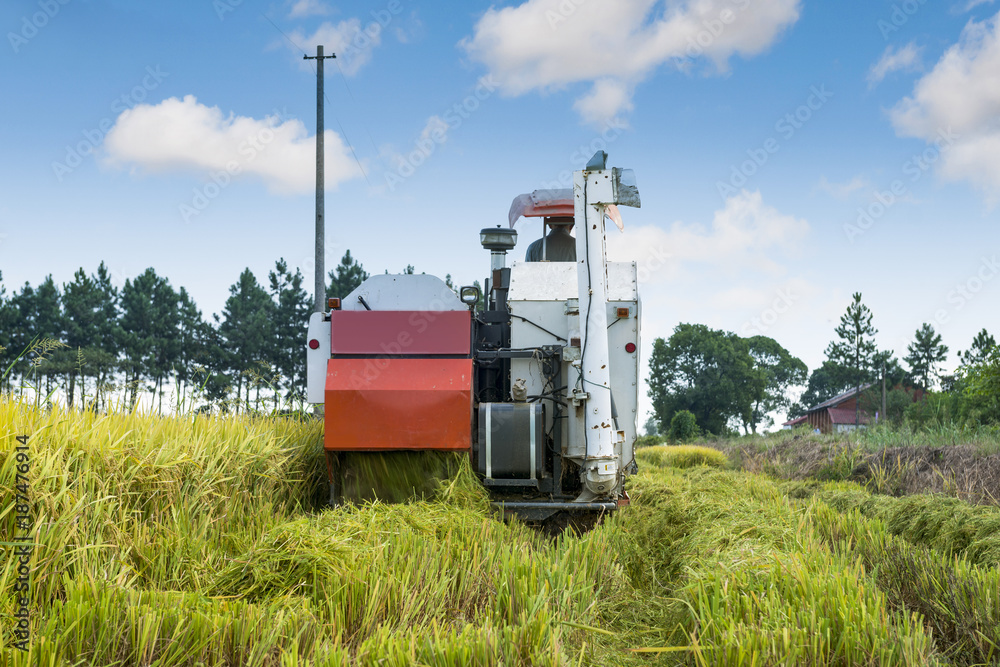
{"points": [[386, 404], [400, 332]]}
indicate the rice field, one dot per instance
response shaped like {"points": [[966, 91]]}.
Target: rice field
{"points": [[204, 541]]}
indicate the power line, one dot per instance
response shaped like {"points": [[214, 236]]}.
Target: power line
{"points": [[335, 117], [351, 94]]}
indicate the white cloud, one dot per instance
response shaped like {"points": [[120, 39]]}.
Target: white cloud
{"points": [[745, 234], [975, 3], [842, 190], [956, 106], [607, 100], [352, 44], [302, 8], [906, 58], [186, 135], [544, 44]]}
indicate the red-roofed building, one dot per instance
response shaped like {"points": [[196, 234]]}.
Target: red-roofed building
{"points": [[792, 423], [835, 415]]}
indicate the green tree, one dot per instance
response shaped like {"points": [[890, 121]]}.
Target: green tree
{"points": [[346, 277], [291, 315], [136, 339], [248, 330], [22, 313], [215, 374], [194, 337], [104, 356], [886, 363], [8, 321], [150, 337], [701, 370], [82, 305], [683, 426], [775, 370], [925, 353], [824, 383], [981, 388], [980, 349], [49, 322], [855, 350], [897, 399]]}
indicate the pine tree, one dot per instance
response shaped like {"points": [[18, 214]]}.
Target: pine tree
{"points": [[347, 277], [81, 301], [104, 357], [194, 337], [50, 323], [166, 335], [979, 351], [855, 350], [925, 353], [148, 311], [7, 323], [291, 315], [248, 330], [23, 314]]}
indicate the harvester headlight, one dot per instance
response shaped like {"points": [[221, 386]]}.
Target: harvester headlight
{"points": [[469, 295]]}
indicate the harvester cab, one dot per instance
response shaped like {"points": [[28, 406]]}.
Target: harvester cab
{"points": [[539, 387]]}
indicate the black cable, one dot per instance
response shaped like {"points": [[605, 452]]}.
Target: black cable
{"points": [[554, 335], [590, 287], [590, 293], [532, 399]]}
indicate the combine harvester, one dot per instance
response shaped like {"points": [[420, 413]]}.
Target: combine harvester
{"points": [[540, 388]]}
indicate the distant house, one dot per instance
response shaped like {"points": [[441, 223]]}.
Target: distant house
{"points": [[835, 415], [792, 423]]}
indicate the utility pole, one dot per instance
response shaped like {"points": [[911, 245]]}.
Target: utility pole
{"points": [[320, 289], [883, 389]]}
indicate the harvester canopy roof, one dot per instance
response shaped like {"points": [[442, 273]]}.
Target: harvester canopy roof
{"points": [[542, 204], [556, 203]]}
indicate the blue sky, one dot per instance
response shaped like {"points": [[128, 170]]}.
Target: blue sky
{"points": [[179, 135]]}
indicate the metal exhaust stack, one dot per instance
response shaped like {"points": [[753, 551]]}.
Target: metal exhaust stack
{"points": [[498, 241], [594, 189]]}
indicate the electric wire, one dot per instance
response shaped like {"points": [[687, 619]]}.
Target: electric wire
{"points": [[378, 153], [554, 335], [326, 97]]}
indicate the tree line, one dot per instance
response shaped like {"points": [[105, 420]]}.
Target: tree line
{"points": [[89, 338], [729, 382]]}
